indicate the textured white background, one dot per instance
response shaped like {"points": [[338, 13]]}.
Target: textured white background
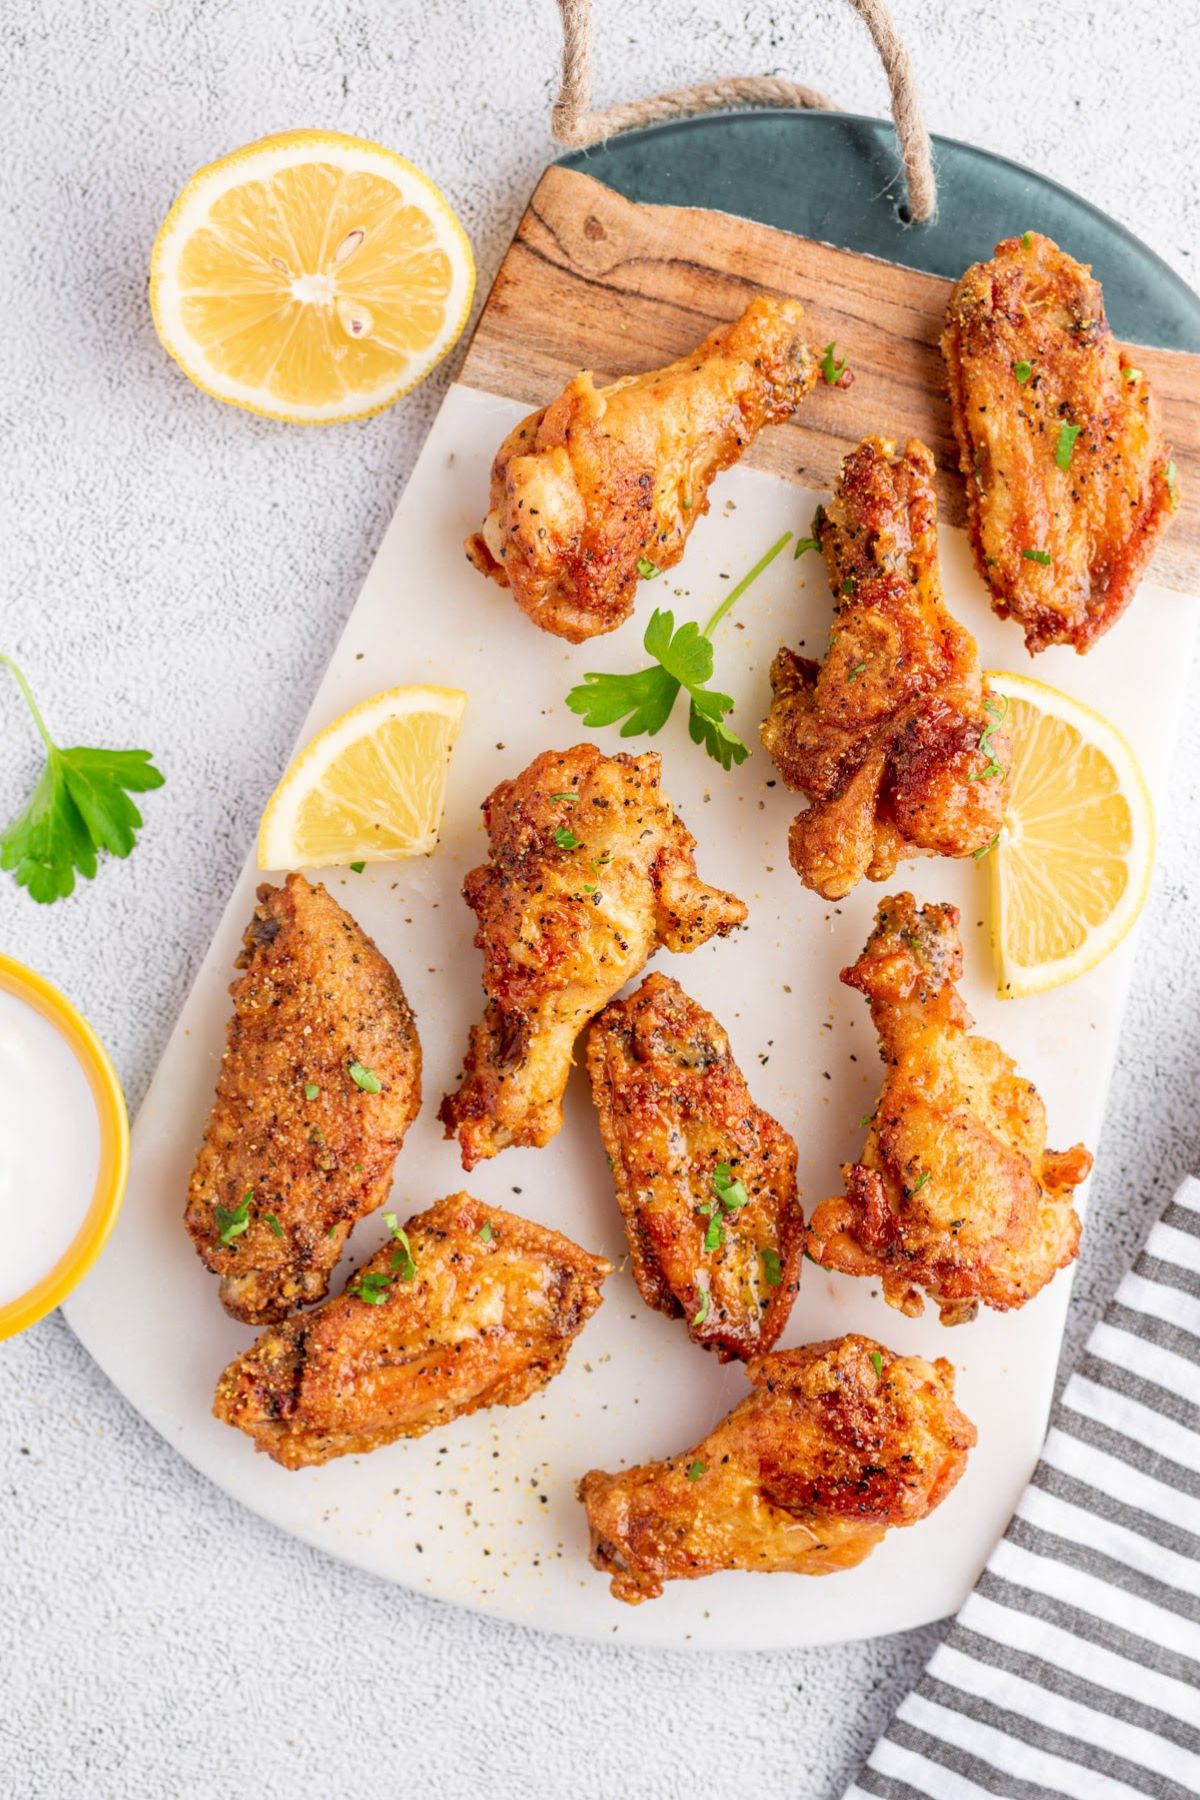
{"points": [[175, 574]]}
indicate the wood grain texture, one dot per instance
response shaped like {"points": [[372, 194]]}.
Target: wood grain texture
{"points": [[593, 281]]}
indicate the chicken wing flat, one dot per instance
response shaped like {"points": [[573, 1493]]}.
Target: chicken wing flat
{"points": [[894, 738], [319, 1081], [705, 1179], [606, 483], [466, 1307], [838, 1442], [1068, 479], [956, 1192], [590, 872]]}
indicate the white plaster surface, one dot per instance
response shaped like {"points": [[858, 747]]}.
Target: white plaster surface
{"points": [[175, 574]]}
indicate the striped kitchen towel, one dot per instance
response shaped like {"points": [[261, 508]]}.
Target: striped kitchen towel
{"points": [[1073, 1669]]}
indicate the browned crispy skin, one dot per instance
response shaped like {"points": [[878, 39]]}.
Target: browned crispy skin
{"points": [[314, 996], [838, 1442], [481, 1312], [674, 1106], [956, 1192], [1097, 520], [590, 872], [603, 478], [884, 736]]}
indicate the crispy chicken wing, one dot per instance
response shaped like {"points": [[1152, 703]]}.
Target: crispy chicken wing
{"points": [[838, 1442], [604, 481], [590, 872], [1068, 480], [297, 1150], [705, 1179], [469, 1307], [893, 738], [956, 1192]]}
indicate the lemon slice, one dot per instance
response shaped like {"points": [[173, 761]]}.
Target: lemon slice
{"points": [[1072, 866], [311, 276], [370, 787]]}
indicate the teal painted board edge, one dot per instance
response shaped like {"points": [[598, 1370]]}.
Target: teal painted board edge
{"points": [[836, 177]]}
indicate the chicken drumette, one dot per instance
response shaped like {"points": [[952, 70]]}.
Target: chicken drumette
{"points": [[606, 483], [590, 872], [956, 1192], [838, 1442], [1068, 479], [319, 1081], [705, 1179], [467, 1306], [894, 738]]}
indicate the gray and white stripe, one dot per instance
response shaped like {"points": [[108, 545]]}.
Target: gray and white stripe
{"points": [[1073, 1669]]}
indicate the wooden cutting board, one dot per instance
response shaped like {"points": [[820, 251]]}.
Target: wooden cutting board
{"points": [[593, 281]]}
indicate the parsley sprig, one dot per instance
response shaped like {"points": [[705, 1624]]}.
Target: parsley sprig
{"points": [[79, 807], [682, 659]]}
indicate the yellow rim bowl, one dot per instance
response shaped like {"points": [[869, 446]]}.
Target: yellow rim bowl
{"points": [[101, 1216]]}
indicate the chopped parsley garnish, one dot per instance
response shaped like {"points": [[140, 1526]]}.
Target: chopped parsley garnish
{"points": [[1026, 239], [867, 1119], [682, 659], [485, 1231], [570, 798], [831, 370], [1022, 371], [696, 1470], [856, 671], [772, 1268], [728, 1189], [985, 741], [231, 1225], [919, 1183], [1132, 376], [402, 1257], [803, 544], [877, 1364], [702, 1310], [311, 1090], [273, 1222], [372, 1287], [714, 1237], [365, 1078], [1173, 485], [358, 867], [565, 838], [1038, 556], [985, 849], [1066, 444], [647, 569]]}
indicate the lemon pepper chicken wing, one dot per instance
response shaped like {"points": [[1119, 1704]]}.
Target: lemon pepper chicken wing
{"points": [[590, 872], [605, 482], [1068, 479], [297, 1149], [955, 1192], [894, 739], [470, 1307], [839, 1442], [705, 1179]]}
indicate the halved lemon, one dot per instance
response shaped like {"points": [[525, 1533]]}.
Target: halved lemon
{"points": [[311, 276], [1072, 866], [370, 787]]}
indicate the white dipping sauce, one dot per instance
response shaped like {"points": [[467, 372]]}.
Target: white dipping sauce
{"points": [[49, 1146]]}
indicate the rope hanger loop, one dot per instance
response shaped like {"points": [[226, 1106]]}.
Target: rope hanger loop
{"points": [[572, 121]]}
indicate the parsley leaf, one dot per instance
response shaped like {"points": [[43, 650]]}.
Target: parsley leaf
{"points": [[729, 1191], [803, 544], [80, 806], [311, 1090], [985, 849], [485, 1231], [831, 370], [877, 1364], [1038, 556], [566, 795], [714, 1237], [702, 1309], [231, 1225], [1022, 371], [273, 1222], [696, 1469], [365, 1078], [357, 868], [647, 569], [772, 1268], [565, 838], [683, 660], [371, 1287], [1066, 444], [402, 1257]]}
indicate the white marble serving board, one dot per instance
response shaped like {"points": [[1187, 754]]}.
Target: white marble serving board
{"points": [[484, 1513]]}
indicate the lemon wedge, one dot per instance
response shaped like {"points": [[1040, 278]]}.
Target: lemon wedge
{"points": [[370, 787], [1071, 868], [311, 276]]}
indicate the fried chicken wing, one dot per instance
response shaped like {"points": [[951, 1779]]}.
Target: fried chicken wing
{"points": [[705, 1179], [1068, 479], [605, 481], [297, 1150], [893, 738], [590, 872], [466, 1307], [956, 1192], [838, 1442]]}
